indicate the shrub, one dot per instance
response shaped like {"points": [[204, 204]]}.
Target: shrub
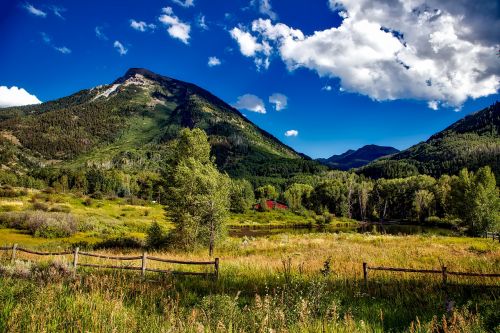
{"points": [[9, 192], [60, 209], [41, 224], [97, 195], [120, 243], [40, 206], [51, 225], [155, 236], [87, 202], [50, 272]]}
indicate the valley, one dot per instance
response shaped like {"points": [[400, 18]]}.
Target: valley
{"points": [[150, 164]]}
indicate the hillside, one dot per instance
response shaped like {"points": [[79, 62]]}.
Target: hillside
{"points": [[471, 142], [357, 158], [129, 124]]}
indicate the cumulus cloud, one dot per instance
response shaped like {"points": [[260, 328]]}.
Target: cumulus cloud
{"points": [[251, 103], [35, 11], [15, 96], [250, 47], [176, 28], [185, 3], [213, 61], [434, 105], [141, 25], [100, 34], [429, 50], [291, 133], [327, 88], [265, 8], [280, 101], [120, 48]]}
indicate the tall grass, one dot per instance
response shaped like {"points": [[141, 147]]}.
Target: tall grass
{"points": [[273, 284]]}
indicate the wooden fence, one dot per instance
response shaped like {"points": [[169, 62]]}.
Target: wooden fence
{"points": [[143, 258], [443, 271], [492, 235]]}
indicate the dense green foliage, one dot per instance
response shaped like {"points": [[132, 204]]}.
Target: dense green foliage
{"points": [[472, 142], [198, 195]]}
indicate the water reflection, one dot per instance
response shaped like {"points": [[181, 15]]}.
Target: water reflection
{"points": [[390, 229]]}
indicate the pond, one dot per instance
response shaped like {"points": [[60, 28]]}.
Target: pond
{"points": [[390, 229]]}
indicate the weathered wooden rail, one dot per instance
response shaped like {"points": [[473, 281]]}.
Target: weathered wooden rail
{"points": [[443, 271], [143, 258], [492, 235]]}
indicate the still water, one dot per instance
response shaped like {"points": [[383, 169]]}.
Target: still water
{"points": [[391, 229]]}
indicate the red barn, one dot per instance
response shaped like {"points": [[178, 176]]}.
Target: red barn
{"points": [[272, 204]]}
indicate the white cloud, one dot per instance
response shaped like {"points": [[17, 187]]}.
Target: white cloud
{"points": [[433, 51], [201, 22], [251, 103], [63, 49], [250, 47], [15, 96], [291, 133], [141, 25], [100, 34], [185, 3], [265, 8], [176, 28], [434, 105], [58, 11], [35, 11], [120, 48], [327, 88], [48, 40], [280, 101], [213, 61]]}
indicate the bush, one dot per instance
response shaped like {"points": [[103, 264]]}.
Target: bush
{"points": [[155, 236], [97, 195], [60, 209], [40, 206], [120, 243], [41, 224], [87, 202], [9, 192]]}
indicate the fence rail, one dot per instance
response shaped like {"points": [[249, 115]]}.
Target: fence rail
{"points": [[493, 235], [144, 259], [443, 271]]}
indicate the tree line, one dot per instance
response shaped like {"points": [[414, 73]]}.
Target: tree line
{"points": [[198, 197]]}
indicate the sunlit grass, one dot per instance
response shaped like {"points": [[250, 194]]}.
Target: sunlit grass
{"points": [[260, 289]]}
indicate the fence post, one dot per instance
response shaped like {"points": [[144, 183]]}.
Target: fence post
{"points": [[365, 274], [75, 258], [216, 267], [143, 267], [445, 276], [14, 248]]}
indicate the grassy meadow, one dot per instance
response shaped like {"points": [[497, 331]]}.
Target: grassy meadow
{"points": [[278, 283]]}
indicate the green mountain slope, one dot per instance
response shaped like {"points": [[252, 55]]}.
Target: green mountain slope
{"points": [[357, 158], [128, 125], [471, 142]]}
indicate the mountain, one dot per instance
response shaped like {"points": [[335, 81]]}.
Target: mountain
{"points": [[471, 142], [357, 158], [128, 125]]}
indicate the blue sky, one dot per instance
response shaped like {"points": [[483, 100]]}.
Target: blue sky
{"points": [[352, 74]]}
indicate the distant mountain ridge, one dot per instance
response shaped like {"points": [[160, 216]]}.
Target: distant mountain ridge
{"points": [[357, 158], [471, 142]]}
